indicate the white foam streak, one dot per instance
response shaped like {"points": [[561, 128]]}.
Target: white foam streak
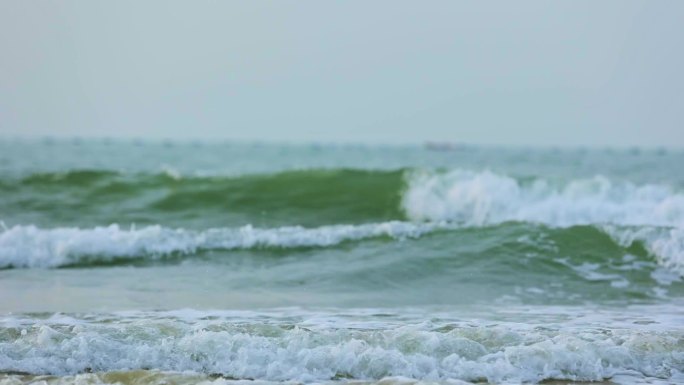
{"points": [[30, 246]]}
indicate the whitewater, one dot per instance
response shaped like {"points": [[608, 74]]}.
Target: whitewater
{"points": [[225, 263]]}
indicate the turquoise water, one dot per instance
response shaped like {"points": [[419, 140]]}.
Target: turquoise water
{"points": [[339, 263]]}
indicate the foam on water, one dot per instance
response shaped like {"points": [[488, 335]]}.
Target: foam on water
{"points": [[651, 214], [665, 244], [484, 198], [29, 246], [607, 310], [309, 347]]}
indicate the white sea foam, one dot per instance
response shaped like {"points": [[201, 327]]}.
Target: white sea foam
{"points": [[484, 198], [295, 349], [29, 246], [665, 244], [652, 214]]}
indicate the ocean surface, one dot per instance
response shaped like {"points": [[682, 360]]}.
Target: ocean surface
{"points": [[135, 262]]}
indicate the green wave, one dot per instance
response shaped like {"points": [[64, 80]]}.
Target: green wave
{"points": [[533, 263], [530, 263], [307, 197]]}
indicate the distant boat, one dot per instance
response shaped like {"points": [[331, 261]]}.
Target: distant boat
{"points": [[444, 146]]}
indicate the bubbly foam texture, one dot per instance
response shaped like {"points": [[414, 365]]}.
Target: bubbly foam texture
{"points": [[665, 244], [153, 377], [29, 246], [652, 214], [145, 377], [484, 198], [305, 350]]}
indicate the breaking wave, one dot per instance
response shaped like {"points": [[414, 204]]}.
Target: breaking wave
{"points": [[324, 347], [29, 246], [649, 215], [485, 198]]}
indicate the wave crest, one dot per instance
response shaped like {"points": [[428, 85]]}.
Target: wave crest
{"points": [[30, 246], [650, 214], [485, 198]]}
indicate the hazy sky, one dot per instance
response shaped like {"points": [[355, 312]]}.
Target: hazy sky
{"points": [[495, 72]]}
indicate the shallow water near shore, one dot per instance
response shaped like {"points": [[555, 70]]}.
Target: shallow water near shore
{"points": [[150, 263], [140, 377]]}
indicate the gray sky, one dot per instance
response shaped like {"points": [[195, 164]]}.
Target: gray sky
{"points": [[494, 72]]}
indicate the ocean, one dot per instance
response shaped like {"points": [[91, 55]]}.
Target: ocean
{"points": [[138, 262]]}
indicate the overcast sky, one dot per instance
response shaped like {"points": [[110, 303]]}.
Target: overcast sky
{"points": [[493, 72]]}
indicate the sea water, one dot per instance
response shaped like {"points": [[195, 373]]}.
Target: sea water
{"points": [[140, 262]]}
